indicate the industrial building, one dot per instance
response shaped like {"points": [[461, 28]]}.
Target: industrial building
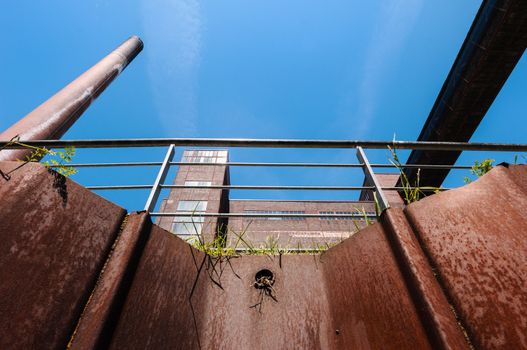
{"points": [[289, 224]]}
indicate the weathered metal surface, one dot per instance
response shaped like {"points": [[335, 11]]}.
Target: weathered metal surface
{"points": [[98, 319], [55, 116], [436, 314], [55, 238], [476, 237], [369, 302], [157, 313], [397, 284], [493, 46], [351, 297]]}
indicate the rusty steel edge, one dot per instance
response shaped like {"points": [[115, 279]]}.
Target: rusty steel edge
{"points": [[435, 311], [99, 318]]}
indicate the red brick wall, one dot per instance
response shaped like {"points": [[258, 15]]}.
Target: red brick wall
{"points": [[291, 232]]}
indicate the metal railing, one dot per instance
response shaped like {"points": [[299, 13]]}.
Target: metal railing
{"points": [[172, 143]]}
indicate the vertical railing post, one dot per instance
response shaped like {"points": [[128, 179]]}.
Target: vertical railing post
{"points": [[372, 179], [161, 176]]}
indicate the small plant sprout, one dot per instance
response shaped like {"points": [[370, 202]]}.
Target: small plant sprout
{"points": [[57, 160], [412, 192], [480, 168], [516, 157]]}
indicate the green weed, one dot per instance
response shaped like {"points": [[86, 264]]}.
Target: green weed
{"points": [[479, 169], [57, 160], [412, 192]]}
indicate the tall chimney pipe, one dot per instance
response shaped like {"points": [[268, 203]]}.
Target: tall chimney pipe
{"points": [[55, 116]]}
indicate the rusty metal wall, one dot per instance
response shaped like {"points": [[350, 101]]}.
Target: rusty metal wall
{"points": [[55, 236], [97, 323], [346, 298], [476, 239], [370, 305], [447, 272]]}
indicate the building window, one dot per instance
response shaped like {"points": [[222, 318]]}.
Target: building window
{"points": [[192, 206], [198, 183], [205, 157], [188, 225], [326, 213], [352, 215], [281, 212], [191, 224]]}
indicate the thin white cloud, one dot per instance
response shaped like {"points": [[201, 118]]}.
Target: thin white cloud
{"points": [[396, 20], [172, 35]]}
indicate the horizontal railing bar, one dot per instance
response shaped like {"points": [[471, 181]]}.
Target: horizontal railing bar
{"points": [[422, 166], [250, 187], [258, 164], [300, 200], [423, 189], [120, 187], [102, 165], [330, 188], [255, 215], [274, 143]]}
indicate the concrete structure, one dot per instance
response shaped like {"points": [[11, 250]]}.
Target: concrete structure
{"points": [[292, 232]]}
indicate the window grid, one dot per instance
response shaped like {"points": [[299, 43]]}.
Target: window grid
{"points": [[205, 157], [190, 225], [354, 215], [281, 212], [198, 183]]}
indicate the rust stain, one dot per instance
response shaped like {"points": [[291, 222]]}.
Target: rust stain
{"points": [[351, 296], [476, 237], [98, 319], [435, 311], [397, 284], [50, 256]]}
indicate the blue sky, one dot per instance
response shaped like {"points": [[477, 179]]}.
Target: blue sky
{"points": [[302, 69]]}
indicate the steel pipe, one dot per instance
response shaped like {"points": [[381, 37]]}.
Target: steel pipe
{"points": [[264, 216], [274, 143], [55, 116]]}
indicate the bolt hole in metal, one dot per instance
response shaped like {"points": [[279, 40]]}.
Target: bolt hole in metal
{"points": [[263, 279]]}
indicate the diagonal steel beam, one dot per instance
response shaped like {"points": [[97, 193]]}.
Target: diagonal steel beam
{"points": [[491, 50]]}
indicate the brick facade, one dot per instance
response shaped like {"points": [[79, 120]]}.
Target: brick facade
{"points": [[305, 233]]}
